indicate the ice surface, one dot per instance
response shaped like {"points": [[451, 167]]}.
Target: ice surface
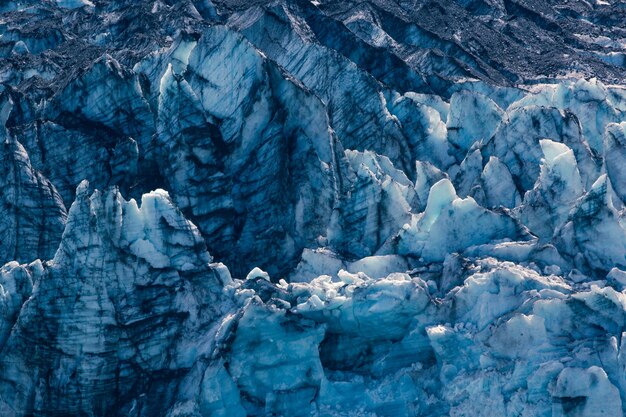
{"points": [[498, 186], [615, 157], [74, 4], [547, 206], [593, 223], [312, 209], [450, 224], [473, 118]]}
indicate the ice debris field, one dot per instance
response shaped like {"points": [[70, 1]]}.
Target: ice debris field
{"points": [[248, 219]]}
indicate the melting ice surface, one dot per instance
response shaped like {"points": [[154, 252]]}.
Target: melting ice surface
{"points": [[252, 217]]}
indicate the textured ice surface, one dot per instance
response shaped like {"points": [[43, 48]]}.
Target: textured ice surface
{"points": [[299, 208]]}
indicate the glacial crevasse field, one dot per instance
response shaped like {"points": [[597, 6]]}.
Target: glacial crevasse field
{"points": [[326, 208]]}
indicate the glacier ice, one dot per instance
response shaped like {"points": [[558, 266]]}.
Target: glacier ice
{"points": [[378, 202], [450, 224], [296, 208], [126, 283], [33, 214], [546, 207], [498, 186], [472, 118], [615, 156], [594, 222]]}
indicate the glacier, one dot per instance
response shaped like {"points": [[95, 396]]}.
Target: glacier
{"points": [[296, 208]]}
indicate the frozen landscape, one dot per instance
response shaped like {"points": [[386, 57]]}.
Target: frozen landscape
{"points": [[312, 208]]}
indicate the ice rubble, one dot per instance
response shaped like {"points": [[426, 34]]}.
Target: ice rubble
{"points": [[504, 339], [404, 254], [408, 307], [481, 337], [343, 332]]}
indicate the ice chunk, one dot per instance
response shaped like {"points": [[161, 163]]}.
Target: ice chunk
{"points": [[498, 185], [74, 4], [484, 297], [219, 395], [32, 213], [426, 175], [285, 368], [468, 176], [316, 262], [521, 337], [441, 195], [107, 304], [379, 266], [516, 143], [378, 203], [425, 128], [585, 392], [594, 231], [546, 207], [589, 100], [452, 224], [16, 285], [473, 118], [258, 273], [615, 157], [617, 277]]}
